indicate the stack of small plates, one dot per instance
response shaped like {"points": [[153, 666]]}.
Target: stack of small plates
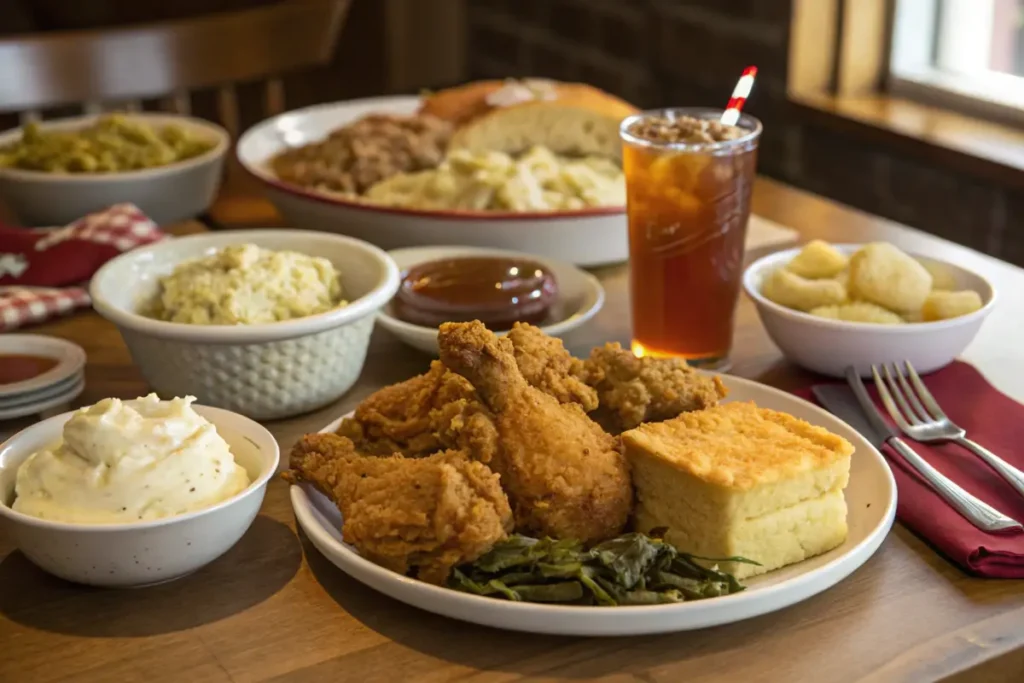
{"points": [[60, 383]]}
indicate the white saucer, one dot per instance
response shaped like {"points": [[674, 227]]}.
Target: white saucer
{"points": [[580, 295], [43, 404], [61, 388], [70, 361]]}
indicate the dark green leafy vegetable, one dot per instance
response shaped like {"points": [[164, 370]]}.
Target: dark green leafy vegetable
{"points": [[632, 569]]}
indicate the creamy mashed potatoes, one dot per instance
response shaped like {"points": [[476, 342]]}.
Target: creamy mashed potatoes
{"points": [[246, 285], [126, 461], [494, 181]]}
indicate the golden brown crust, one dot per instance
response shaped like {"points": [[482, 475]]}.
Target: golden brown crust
{"points": [[440, 410], [739, 445], [634, 390], [428, 514], [565, 477], [417, 417], [461, 103], [465, 103], [546, 365]]}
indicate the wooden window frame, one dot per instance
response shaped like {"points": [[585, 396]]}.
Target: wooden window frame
{"points": [[838, 77]]}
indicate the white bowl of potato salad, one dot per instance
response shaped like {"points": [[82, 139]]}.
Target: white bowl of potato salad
{"points": [[830, 306], [267, 323]]}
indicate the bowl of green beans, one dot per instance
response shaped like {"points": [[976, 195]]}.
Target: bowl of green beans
{"points": [[54, 172]]}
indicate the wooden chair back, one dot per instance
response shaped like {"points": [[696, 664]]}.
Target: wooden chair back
{"points": [[119, 68]]}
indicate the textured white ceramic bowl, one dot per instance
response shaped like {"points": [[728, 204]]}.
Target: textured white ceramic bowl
{"points": [[587, 237], [167, 194], [146, 552], [580, 294], [266, 371], [829, 346]]}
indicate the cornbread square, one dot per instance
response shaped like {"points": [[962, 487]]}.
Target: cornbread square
{"points": [[736, 479]]}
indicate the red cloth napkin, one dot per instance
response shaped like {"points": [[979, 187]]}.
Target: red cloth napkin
{"points": [[42, 270], [992, 419]]}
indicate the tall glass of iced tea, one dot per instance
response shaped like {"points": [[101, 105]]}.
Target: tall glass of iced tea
{"points": [[688, 184]]}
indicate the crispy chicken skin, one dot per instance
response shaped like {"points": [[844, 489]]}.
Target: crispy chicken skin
{"points": [[435, 411], [546, 365], [564, 476], [440, 409], [632, 390], [426, 514]]}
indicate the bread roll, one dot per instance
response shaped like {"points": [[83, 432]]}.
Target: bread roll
{"points": [[944, 305], [942, 276], [884, 275], [512, 116], [858, 312], [817, 260], [792, 291]]}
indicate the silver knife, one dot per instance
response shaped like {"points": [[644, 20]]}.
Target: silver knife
{"points": [[853, 405]]}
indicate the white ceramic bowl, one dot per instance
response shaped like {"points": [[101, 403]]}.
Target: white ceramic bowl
{"points": [[146, 552], [580, 294], [588, 237], [830, 346], [167, 194], [266, 371]]}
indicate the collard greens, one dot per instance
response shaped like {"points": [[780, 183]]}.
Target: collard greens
{"points": [[632, 569]]}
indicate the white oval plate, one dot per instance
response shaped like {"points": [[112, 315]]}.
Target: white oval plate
{"points": [[870, 496], [70, 357], [580, 294]]}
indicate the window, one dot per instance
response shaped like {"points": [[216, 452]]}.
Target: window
{"points": [[965, 54]]}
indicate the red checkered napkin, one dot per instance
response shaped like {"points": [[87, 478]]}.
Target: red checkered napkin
{"points": [[43, 271]]}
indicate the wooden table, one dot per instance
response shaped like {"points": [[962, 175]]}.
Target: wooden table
{"points": [[274, 609]]}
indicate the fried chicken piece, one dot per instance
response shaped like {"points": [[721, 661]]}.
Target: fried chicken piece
{"points": [[440, 409], [435, 411], [546, 365], [633, 390], [427, 514], [564, 476]]}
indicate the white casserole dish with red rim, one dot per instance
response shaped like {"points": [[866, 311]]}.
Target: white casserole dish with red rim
{"points": [[587, 237]]}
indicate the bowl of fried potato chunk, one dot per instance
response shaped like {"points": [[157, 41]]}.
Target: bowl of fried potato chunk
{"points": [[54, 172], [829, 306]]}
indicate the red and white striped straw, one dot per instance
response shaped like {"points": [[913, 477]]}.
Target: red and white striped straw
{"points": [[740, 93]]}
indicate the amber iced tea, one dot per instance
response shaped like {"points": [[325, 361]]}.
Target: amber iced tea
{"points": [[688, 185]]}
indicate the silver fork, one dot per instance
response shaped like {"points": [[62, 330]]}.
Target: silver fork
{"points": [[921, 418]]}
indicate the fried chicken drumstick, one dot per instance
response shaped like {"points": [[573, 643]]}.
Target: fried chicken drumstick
{"points": [[440, 410], [564, 476], [426, 514]]}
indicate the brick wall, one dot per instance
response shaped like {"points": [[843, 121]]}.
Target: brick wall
{"points": [[689, 52]]}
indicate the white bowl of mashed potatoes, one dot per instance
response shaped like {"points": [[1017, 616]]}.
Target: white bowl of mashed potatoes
{"points": [[135, 492], [267, 323], [828, 307]]}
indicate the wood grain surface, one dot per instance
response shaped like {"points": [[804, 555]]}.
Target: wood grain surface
{"points": [[273, 609]]}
